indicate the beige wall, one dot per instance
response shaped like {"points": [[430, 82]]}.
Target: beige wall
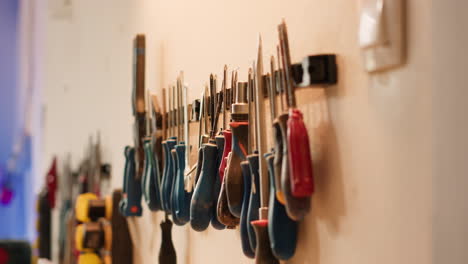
{"points": [[371, 135]]}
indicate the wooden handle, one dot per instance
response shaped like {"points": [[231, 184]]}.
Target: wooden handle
{"points": [[215, 223], [263, 254], [234, 179], [167, 254]]}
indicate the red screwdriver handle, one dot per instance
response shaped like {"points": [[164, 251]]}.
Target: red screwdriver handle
{"points": [[300, 160]]}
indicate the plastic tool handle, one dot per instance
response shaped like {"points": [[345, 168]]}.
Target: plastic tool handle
{"points": [[181, 196], [263, 254], [300, 160], [282, 230], [166, 186], [123, 200], [235, 181], [244, 233], [201, 209], [222, 211], [151, 190], [167, 254], [132, 205], [175, 162], [296, 208], [227, 149], [278, 156], [215, 223], [254, 202]]}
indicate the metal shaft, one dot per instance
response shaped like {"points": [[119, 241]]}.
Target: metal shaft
{"points": [[261, 143]]}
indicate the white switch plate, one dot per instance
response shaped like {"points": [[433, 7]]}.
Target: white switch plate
{"points": [[382, 34]]}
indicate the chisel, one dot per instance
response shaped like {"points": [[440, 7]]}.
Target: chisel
{"points": [[203, 198], [263, 253], [181, 198], [247, 233], [300, 161], [222, 209], [296, 208], [282, 230]]}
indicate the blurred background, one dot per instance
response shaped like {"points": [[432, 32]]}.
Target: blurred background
{"points": [[390, 147]]}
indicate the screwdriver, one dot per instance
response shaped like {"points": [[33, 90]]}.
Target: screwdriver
{"points": [[296, 208], [245, 226], [181, 198], [150, 180], [263, 253], [240, 130], [222, 209], [300, 161], [203, 198], [220, 145], [282, 230], [168, 145]]}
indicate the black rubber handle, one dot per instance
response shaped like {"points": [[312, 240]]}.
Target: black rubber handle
{"points": [[167, 254]]}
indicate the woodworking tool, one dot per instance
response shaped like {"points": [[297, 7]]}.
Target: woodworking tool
{"points": [[263, 253]]}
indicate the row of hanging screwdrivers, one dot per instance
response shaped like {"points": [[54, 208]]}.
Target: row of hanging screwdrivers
{"points": [[235, 180]]}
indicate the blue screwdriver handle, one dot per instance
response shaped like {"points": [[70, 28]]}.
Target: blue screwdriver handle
{"points": [[201, 209], [254, 202], [282, 230], [132, 204], [150, 180], [215, 223], [166, 183], [182, 198], [173, 199], [244, 233], [123, 201]]}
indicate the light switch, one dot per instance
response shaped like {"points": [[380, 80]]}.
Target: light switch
{"points": [[381, 34]]}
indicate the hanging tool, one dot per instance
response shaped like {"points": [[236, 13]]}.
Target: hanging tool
{"points": [[150, 181], [167, 254], [223, 213], [181, 197], [203, 198], [263, 254], [282, 230], [131, 205], [45, 204], [296, 208], [240, 130], [168, 145], [205, 137], [245, 226], [131, 202], [300, 161], [176, 152], [220, 139]]}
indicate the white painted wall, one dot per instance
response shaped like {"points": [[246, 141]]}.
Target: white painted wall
{"points": [[371, 135]]}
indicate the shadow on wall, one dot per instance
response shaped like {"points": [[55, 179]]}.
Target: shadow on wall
{"points": [[328, 205]]}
